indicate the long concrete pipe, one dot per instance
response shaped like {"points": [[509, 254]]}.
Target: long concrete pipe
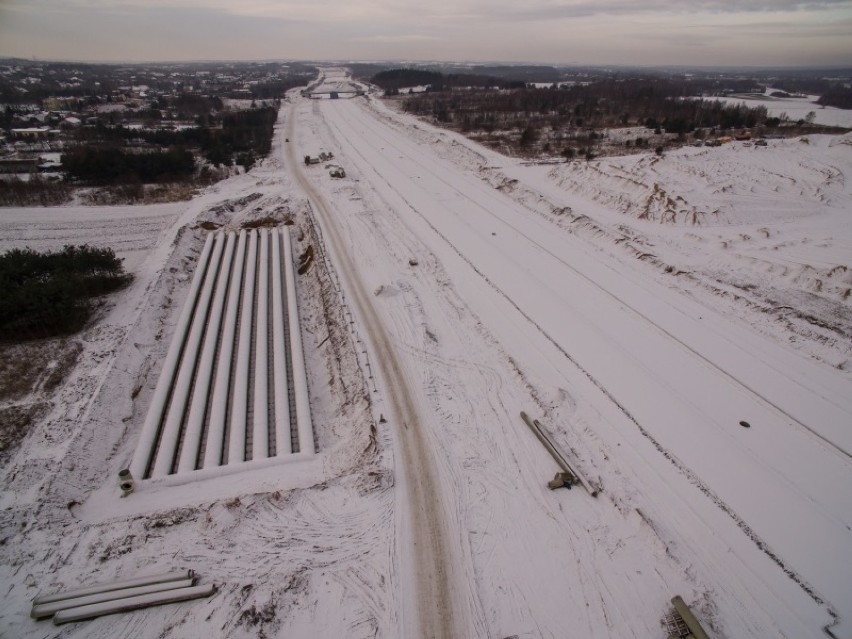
{"points": [[147, 439], [142, 580], [239, 413], [283, 444], [43, 611], [164, 461], [688, 618], [132, 603], [557, 455], [297, 356], [260, 433], [189, 450], [213, 452]]}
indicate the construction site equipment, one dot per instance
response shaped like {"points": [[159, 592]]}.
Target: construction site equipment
{"points": [[568, 476], [695, 629], [674, 626], [561, 480], [125, 482]]}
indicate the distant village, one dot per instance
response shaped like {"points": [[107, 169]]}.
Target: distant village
{"points": [[48, 108], [68, 129]]}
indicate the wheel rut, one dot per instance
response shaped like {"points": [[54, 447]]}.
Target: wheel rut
{"points": [[437, 616]]}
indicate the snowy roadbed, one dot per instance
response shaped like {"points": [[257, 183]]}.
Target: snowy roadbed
{"points": [[648, 373]]}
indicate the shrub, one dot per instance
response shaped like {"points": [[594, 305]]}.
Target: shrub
{"points": [[33, 192], [529, 135]]}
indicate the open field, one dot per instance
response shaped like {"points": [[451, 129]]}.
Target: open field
{"points": [[131, 231], [796, 108]]}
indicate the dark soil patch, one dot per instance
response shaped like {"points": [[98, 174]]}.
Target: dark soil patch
{"points": [[268, 221], [22, 366], [15, 422], [306, 259]]}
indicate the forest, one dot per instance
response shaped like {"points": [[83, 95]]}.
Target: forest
{"points": [[840, 97], [601, 104], [394, 79], [49, 294], [572, 119], [112, 165], [226, 138]]}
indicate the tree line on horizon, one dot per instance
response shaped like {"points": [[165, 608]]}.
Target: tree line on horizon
{"points": [[395, 79], [102, 155]]}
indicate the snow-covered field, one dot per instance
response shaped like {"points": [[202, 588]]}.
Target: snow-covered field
{"points": [[795, 108], [131, 231], [641, 308]]}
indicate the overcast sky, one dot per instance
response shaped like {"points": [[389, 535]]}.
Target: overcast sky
{"points": [[685, 32]]}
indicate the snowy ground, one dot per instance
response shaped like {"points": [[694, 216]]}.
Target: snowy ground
{"points": [[131, 231], [576, 302], [795, 108], [639, 307]]}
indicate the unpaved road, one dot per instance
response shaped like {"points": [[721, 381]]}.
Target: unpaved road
{"points": [[651, 383], [436, 614]]}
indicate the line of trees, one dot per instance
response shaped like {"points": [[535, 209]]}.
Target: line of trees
{"points": [[275, 89], [658, 103], [34, 191], [243, 137], [113, 165], [840, 97], [49, 294], [394, 79], [227, 138], [367, 71]]}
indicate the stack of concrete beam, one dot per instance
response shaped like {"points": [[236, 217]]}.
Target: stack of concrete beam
{"points": [[98, 600], [233, 388]]}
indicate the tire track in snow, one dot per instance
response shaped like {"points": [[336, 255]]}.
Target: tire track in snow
{"points": [[843, 452], [437, 615], [691, 476], [517, 229]]}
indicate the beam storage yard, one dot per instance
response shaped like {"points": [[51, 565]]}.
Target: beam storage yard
{"points": [[233, 387]]}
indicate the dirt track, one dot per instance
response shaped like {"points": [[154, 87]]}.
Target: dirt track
{"points": [[427, 541]]}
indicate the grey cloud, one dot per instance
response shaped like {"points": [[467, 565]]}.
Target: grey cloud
{"points": [[587, 8], [605, 31]]}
